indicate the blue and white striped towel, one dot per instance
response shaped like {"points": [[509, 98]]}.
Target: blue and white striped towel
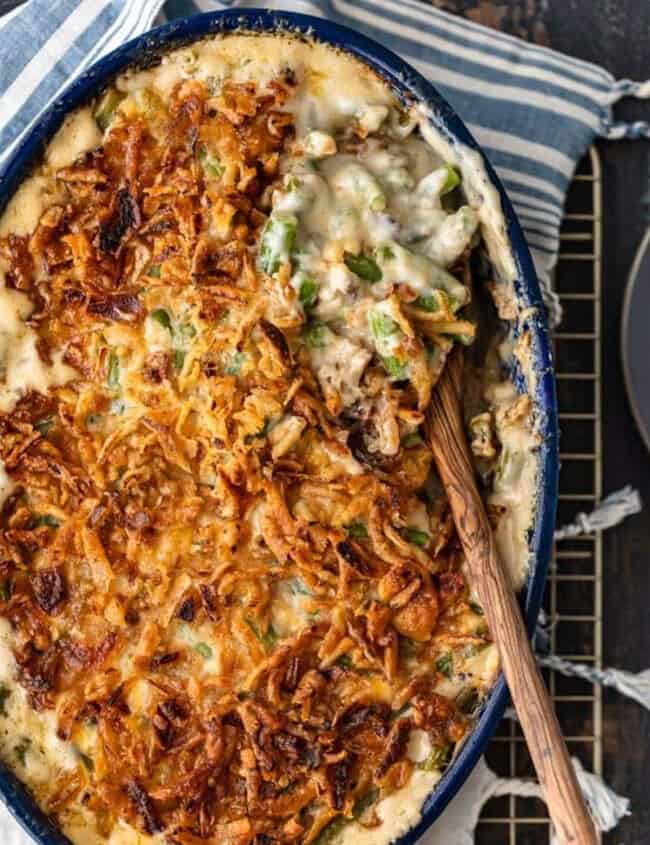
{"points": [[534, 111]]}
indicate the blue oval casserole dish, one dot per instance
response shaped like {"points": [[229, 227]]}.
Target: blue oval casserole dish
{"points": [[410, 86]]}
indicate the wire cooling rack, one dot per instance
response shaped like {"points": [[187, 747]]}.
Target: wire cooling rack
{"points": [[573, 598]]}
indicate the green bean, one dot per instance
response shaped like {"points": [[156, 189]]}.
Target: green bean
{"points": [[204, 650], [43, 426], [413, 535], [278, 242], [211, 164], [162, 317], [105, 111], [87, 761], [452, 181], [363, 266], [381, 325], [268, 638], [395, 368], [179, 358], [48, 520], [412, 439], [187, 330], [420, 271], [439, 182], [113, 369], [234, 365], [438, 757], [316, 335], [467, 700], [308, 292], [435, 301], [357, 530], [364, 802], [445, 664]]}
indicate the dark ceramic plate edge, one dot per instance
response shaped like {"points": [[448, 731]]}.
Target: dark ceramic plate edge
{"points": [[409, 84], [634, 339]]}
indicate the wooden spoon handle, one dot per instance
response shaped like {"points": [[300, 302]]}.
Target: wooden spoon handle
{"points": [[541, 729]]}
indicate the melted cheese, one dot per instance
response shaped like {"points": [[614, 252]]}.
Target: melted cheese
{"points": [[25, 208], [44, 755], [123, 834], [21, 367], [79, 134], [399, 812], [514, 486], [320, 70], [339, 366], [6, 485]]}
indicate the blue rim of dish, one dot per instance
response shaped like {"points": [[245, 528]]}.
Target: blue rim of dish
{"points": [[411, 86]]}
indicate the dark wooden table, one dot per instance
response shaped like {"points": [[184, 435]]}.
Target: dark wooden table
{"points": [[615, 34]]}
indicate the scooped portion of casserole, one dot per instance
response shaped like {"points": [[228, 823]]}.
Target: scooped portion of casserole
{"points": [[233, 606]]}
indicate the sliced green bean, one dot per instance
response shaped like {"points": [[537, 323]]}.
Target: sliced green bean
{"points": [[211, 164], [106, 108], [364, 266], [445, 664], [204, 650], [356, 179], [162, 317], [381, 325], [113, 378], [307, 292], [452, 181], [357, 530], [44, 426], [437, 759], [179, 359], [278, 242], [395, 368], [316, 335], [234, 364], [415, 536]]}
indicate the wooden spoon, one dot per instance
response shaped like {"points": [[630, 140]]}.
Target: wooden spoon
{"points": [[446, 433]]}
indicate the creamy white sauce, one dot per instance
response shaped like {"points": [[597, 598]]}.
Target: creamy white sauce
{"points": [[514, 486], [78, 135], [25, 208], [288, 612], [398, 812], [44, 755], [6, 485], [339, 366], [21, 367], [518, 491], [124, 834], [320, 69]]}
